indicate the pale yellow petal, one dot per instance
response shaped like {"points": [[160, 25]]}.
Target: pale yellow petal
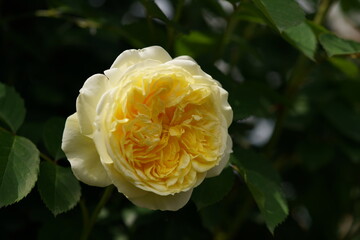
{"points": [[82, 155], [215, 171], [170, 202], [225, 107], [86, 103], [133, 56], [188, 64]]}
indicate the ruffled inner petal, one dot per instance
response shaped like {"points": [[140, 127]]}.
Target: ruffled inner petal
{"points": [[162, 129]]}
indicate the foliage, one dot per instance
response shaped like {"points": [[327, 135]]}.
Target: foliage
{"points": [[293, 84]]}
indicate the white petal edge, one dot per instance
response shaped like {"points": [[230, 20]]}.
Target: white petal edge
{"points": [[157, 202], [90, 94], [215, 171], [225, 106], [189, 65], [133, 56], [82, 155]]}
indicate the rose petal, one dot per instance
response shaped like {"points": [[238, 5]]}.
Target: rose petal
{"points": [[215, 171], [122, 184], [225, 106], [189, 65], [170, 202], [86, 103], [82, 155], [131, 57]]}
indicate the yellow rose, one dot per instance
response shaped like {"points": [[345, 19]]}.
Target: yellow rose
{"points": [[153, 126]]}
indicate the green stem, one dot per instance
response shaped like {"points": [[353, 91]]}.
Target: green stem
{"points": [[296, 81], [42, 155], [323, 8], [89, 224], [47, 158], [5, 130], [84, 213]]}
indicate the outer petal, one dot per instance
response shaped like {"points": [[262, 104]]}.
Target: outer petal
{"points": [[86, 103], [189, 65], [170, 202], [122, 184], [82, 155], [133, 56], [215, 171], [225, 106]]}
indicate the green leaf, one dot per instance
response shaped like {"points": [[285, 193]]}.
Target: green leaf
{"points": [[303, 38], [213, 189], [264, 185], [348, 67], [334, 45], [52, 136], [12, 110], [249, 12], [19, 166], [58, 187], [344, 118], [283, 14]]}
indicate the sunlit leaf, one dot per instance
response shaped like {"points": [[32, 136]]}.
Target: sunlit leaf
{"points": [[303, 38], [283, 14], [249, 12], [12, 110], [264, 184], [349, 68], [19, 166], [58, 187], [213, 189], [334, 45]]}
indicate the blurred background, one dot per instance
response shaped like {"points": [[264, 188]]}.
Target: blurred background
{"points": [[48, 48]]}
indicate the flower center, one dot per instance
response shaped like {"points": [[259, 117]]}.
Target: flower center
{"points": [[167, 131]]}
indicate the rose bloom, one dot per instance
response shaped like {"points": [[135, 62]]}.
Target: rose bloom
{"points": [[153, 126]]}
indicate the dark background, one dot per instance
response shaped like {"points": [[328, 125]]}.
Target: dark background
{"points": [[48, 48]]}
